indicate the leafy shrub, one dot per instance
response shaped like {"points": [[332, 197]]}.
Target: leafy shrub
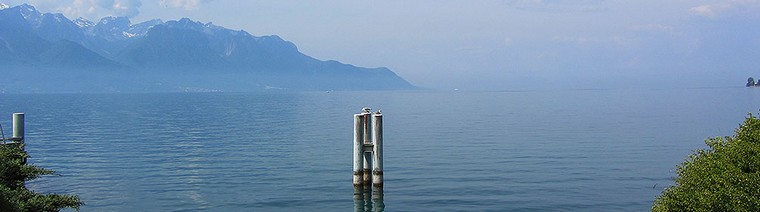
{"points": [[725, 177], [13, 194]]}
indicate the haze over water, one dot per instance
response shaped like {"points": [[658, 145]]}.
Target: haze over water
{"points": [[491, 44], [603, 100], [578, 150]]}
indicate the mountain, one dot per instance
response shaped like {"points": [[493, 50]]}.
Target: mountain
{"points": [[170, 46], [115, 55], [68, 54]]}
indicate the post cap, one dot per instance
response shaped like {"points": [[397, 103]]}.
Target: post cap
{"points": [[367, 110]]}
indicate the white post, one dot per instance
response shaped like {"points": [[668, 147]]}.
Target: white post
{"points": [[367, 168], [358, 149], [18, 127], [367, 175], [377, 138], [366, 112]]}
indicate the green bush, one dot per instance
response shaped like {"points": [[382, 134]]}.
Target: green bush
{"points": [[13, 194], [724, 177]]}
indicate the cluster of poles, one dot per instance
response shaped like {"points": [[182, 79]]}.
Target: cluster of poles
{"points": [[368, 153]]}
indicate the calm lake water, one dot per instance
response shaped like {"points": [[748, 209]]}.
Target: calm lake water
{"points": [[580, 150]]}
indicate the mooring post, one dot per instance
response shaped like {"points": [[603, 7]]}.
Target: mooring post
{"points": [[377, 150], [367, 146], [358, 150], [367, 175], [18, 127]]}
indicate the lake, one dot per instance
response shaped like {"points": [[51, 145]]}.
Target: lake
{"points": [[575, 150]]}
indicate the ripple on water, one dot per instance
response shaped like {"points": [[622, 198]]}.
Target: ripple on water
{"points": [[600, 150]]}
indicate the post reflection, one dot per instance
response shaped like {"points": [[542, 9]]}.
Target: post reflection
{"points": [[368, 200]]}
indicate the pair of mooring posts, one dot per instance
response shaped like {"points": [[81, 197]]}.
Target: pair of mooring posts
{"points": [[18, 129], [368, 152]]}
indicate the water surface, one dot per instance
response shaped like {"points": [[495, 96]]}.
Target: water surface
{"points": [[580, 150]]}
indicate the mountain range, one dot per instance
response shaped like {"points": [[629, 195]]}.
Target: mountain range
{"points": [[47, 52]]}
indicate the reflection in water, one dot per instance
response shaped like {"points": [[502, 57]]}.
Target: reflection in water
{"points": [[367, 200]]}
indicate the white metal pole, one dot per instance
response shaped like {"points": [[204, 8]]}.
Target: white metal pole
{"points": [[367, 155], [367, 136], [367, 168], [18, 127], [377, 150], [358, 149]]}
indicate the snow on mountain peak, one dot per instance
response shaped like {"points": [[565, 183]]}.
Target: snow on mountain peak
{"points": [[28, 9], [29, 13], [84, 23], [4, 6], [142, 28], [59, 17], [127, 34]]}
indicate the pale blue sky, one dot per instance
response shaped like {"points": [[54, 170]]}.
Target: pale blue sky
{"points": [[492, 44]]}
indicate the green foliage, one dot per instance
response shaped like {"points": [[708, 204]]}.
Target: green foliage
{"points": [[725, 177], [13, 194]]}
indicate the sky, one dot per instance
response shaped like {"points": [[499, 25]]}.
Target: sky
{"points": [[491, 44]]}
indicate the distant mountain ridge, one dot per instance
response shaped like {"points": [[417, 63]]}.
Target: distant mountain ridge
{"points": [[116, 55]]}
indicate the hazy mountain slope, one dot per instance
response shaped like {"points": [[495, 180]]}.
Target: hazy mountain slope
{"points": [[69, 54], [116, 55]]}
